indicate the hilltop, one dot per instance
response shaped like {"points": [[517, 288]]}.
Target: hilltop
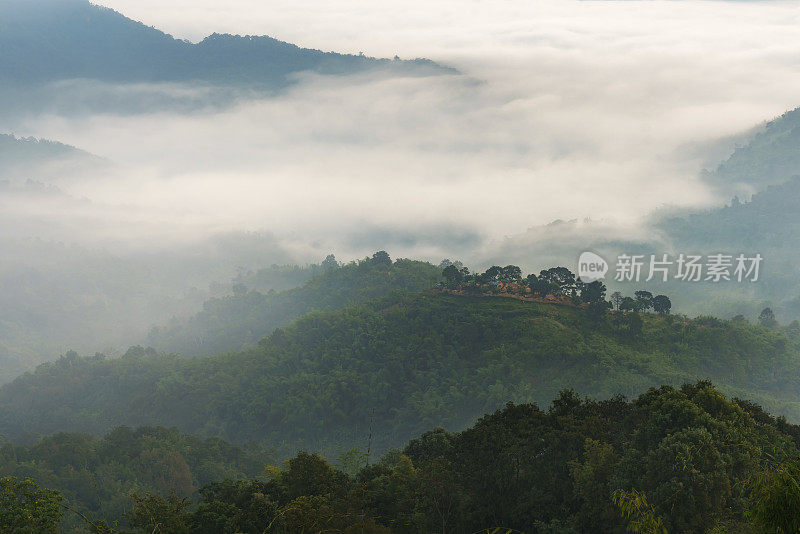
{"points": [[50, 40], [237, 321], [418, 360]]}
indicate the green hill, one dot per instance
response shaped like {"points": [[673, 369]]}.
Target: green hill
{"points": [[418, 361], [772, 156], [239, 320]]}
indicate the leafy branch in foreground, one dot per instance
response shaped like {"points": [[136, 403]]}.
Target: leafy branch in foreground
{"points": [[633, 506]]}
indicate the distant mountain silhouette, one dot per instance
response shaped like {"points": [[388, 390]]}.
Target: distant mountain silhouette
{"points": [[50, 40], [29, 150]]}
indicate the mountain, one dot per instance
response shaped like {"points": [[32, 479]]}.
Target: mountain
{"points": [[765, 171], [30, 150], [26, 158], [238, 321], [771, 156], [418, 361], [50, 40]]}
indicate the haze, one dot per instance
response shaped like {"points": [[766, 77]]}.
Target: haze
{"points": [[605, 110]]}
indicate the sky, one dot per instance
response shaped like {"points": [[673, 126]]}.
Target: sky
{"points": [[564, 110]]}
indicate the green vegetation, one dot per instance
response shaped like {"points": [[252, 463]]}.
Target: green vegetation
{"points": [[418, 360], [402, 348], [95, 477], [239, 320], [24, 508], [769, 158], [672, 460]]}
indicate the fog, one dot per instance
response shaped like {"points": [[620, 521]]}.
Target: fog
{"points": [[563, 110], [595, 112]]}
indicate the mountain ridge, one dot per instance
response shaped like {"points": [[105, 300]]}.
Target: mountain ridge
{"points": [[45, 41]]}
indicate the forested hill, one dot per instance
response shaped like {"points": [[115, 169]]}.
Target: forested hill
{"points": [[687, 459], [771, 157], [418, 361], [240, 320], [49, 40]]}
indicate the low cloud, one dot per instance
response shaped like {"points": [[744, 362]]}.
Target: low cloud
{"points": [[565, 110]]}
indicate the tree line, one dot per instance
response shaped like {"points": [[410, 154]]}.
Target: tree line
{"points": [[674, 460]]}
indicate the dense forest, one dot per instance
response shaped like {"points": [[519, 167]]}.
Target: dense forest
{"points": [[671, 460], [179, 356], [377, 371], [97, 475], [408, 361]]}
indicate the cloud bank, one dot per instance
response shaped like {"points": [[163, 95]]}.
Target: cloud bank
{"points": [[566, 109]]}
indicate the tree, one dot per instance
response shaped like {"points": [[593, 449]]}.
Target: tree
{"points": [[767, 318], [776, 496], [616, 299], [642, 515], [24, 508], [491, 274], [233, 506], [382, 258], [644, 299], [155, 513], [591, 478], [561, 277], [661, 304], [452, 276], [593, 292], [628, 304], [794, 328], [510, 273], [330, 263]]}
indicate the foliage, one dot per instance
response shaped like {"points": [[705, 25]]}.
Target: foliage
{"points": [[776, 492], [634, 506], [153, 513], [420, 361], [238, 321], [96, 476], [24, 508], [682, 460]]}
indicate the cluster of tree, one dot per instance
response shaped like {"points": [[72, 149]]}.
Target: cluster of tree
{"points": [[558, 281], [671, 460], [642, 301], [281, 277], [419, 360], [239, 320], [95, 476], [553, 281]]}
